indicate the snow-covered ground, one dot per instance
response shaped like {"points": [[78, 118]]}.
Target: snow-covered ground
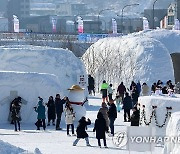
{"points": [[51, 141]]}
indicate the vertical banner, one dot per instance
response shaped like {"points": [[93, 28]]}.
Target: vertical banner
{"points": [[54, 22], [16, 24], [176, 24], [163, 22], [145, 23], [80, 25], [114, 26]]}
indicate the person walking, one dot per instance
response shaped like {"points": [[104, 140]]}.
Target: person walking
{"points": [[69, 117], [118, 100], [81, 131], [59, 110], [104, 111], [112, 114], [51, 111], [15, 114], [127, 106], [104, 88], [121, 90], [110, 91], [100, 128], [40, 109]]}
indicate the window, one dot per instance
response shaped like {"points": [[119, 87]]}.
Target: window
{"points": [[170, 20]]}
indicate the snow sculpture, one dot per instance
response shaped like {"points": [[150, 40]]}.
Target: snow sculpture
{"points": [[173, 131], [163, 106], [77, 98]]}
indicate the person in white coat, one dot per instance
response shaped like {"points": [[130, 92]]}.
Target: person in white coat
{"points": [[69, 117]]}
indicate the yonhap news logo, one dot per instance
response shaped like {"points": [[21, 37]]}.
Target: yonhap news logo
{"points": [[120, 139]]}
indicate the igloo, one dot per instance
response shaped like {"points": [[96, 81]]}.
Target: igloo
{"points": [[31, 71], [145, 56]]}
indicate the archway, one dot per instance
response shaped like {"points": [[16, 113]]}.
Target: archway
{"points": [[176, 64]]}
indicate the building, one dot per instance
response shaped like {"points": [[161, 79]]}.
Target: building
{"points": [[71, 9], [173, 13], [159, 14], [42, 8], [20, 8]]}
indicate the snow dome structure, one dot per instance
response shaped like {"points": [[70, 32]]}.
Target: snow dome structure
{"points": [[31, 71], [145, 56]]}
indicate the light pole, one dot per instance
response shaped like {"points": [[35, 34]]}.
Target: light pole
{"points": [[153, 12], [99, 15], [122, 11]]}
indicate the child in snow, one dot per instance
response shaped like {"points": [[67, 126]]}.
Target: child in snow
{"points": [[100, 127], [69, 117], [81, 132], [118, 100]]}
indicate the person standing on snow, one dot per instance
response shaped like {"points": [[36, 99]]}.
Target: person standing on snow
{"points": [[104, 88], [104, 111], [91, 86], [59, 110], [81, 131], [15, 114], [69, 117], [51, 110], [100, 128], [121, 90], [110, 91], [40, 109], [145, 89], [127, 106], [112, 114]]}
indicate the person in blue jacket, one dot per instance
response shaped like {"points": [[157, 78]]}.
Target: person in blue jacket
{"points": [[40, 109]]}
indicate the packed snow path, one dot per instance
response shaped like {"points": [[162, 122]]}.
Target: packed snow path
{"points": [[56, 142]]}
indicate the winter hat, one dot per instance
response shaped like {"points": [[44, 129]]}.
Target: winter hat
{"points": [[76, 88]]}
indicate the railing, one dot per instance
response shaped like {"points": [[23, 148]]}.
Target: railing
{"points": [[36, 36]]}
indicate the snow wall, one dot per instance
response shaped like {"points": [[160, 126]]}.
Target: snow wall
{"points": [[143, 56], [35, 71]]}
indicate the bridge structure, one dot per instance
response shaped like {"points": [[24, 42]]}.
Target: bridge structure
{"points": [[69, 42]]}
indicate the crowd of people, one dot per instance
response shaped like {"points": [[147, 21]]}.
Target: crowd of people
{"points": [[126, 98]]}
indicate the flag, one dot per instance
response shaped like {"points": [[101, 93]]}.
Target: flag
{"points": [[114, 26], [80, 25], [145, 23], [16, 23], [176, 25], [54, 22]]}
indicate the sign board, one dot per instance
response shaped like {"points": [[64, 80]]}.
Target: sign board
{"points": [[82, 81]]}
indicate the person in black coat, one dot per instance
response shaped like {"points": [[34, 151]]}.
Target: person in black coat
{"points": [[59, 109], [51, 110], [81, 131], [127, 106], [15, 114], [112, 114], [134, 95], [135, 117], [100, 127]]}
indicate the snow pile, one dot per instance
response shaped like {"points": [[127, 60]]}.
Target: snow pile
{"points": [[35, 71], [143, 56], [6, 148], [173, 130], [161, 102]]}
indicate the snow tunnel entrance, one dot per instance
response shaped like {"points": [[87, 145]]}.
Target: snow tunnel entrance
{"points": [[176, 64]]}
